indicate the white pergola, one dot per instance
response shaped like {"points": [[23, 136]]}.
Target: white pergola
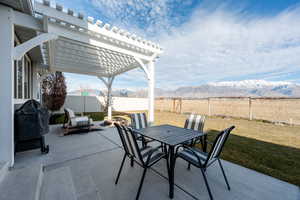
{"points": [[69, 43]]}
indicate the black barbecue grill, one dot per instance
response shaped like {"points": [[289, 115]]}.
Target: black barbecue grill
{"points": [[31, 124]]}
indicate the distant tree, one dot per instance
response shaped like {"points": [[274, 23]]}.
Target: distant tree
{"points": [[54, 91]]}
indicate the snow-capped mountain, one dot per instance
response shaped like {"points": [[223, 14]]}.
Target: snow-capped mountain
{"points": [[251, 84], [245, 88]]}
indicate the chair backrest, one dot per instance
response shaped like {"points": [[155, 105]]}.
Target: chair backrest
{"points": [[195, 122], [69, 112], [139, 120], [129, 142], [218, 144]]}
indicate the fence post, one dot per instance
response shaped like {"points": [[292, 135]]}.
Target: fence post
{"points": [[180, 106], [209, 108], [250, 109], [160, 103], [84, 104], [173, 109]]}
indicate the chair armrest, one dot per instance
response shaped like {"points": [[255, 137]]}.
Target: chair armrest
{"points": [[178, 147], [151, 152], [135, 132]]}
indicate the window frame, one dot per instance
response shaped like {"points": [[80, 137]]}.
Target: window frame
{"points": [[27, 77]]}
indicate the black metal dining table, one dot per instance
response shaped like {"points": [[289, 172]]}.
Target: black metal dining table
{"points": [[170, 136]]}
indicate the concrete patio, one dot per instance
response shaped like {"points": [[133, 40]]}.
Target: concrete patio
{"points": [[84, 166]]}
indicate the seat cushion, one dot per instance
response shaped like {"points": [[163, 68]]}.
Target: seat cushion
{"points": [[189, 156], [80, 121]]}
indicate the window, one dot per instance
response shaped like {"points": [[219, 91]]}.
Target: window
{"points": [[22, 76], [26, 82], [23, 79], [20, 79], [15, 80]]}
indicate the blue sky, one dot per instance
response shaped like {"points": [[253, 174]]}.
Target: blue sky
{"points": [[204, 40]]}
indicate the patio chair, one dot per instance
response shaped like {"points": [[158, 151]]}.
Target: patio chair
{"points": [[196, 123], [203, 160], [139, 121], [72, 122], [144, 156]]}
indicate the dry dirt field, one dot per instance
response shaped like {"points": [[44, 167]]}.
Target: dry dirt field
{"points": [[274, 110]]}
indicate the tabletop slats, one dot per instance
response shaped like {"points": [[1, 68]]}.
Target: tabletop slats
{"points": [[168, 134]]}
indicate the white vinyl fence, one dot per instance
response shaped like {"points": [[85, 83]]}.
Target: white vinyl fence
{"points": [[95, 103]]}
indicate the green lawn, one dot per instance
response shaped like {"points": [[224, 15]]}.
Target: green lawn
{"points": [[271, 149]]}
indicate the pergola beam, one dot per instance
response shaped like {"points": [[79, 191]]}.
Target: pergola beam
{"points": [[27, 21], [20, 50], [64, 68]]}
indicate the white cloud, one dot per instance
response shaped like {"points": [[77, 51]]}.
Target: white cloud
{"points": [[221, 45], [214, 45], [134, 14]]}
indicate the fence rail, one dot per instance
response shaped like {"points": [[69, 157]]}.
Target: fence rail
{"points": [[283, 110]]}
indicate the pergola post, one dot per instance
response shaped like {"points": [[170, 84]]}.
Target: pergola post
{"points": [[6, 85], [109, 100], [108, 84], [151, 85]]}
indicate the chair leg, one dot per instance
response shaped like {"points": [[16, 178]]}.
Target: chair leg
{"points": [[206, 183], [131, 162], [202, 143], [141, 184], [168, 167], [144, 143], [223, 172], [204, 139], [121, 167], [189, 166]]}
